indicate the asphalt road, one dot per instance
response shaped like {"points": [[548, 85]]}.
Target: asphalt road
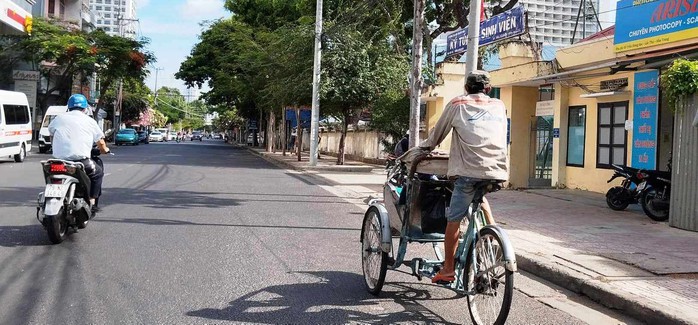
{"points": [[204, 232]]}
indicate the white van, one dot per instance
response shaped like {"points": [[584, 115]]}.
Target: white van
{"points": [[15, 125], [44, 135]]}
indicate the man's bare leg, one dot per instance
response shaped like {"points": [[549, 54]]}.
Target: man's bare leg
{"points": [[450, 246], [488, 212]]}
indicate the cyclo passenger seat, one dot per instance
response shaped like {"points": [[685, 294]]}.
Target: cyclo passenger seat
{"points": [[486, 186]]}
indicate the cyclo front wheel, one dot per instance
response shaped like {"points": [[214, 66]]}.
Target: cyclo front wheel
{"points": [[489, 283], [373, 259]]}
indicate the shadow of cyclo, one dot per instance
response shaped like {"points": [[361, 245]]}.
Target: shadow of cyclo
{"points": [[333, 298]]}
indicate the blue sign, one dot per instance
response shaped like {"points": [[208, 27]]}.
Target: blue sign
{"points": [[556, 133], [505, 25], [252, 124], [645, 123], [305, 117], [643, 23]]}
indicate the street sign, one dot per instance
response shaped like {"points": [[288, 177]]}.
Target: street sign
{"points": [[505, 25], [252, 124]]}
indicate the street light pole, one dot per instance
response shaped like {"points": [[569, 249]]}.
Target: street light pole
{"points": [[473, 37], [315, 114]]}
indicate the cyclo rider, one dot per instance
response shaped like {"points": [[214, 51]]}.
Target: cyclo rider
{"points": [[478, 152], [73, 134]]}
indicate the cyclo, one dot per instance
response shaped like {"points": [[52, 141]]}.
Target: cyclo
{"points": [[415, 200]]}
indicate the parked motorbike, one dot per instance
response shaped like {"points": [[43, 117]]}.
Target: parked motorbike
{"points": [[65, 202], [655, 196], [619, 197]]}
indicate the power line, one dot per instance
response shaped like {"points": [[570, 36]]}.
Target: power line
{"points": [[574, 18]]}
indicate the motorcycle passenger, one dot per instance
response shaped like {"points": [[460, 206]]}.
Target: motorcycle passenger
{"points": [[74, 134], [478, 152]]}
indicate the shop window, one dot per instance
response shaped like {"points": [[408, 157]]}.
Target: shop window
{"points": [[611, 136], [546, 92], [576, 126]]}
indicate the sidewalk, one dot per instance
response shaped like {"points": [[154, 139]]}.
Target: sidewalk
{"points": [[623, 260]]}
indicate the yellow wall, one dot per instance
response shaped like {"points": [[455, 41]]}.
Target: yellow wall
{"points": [[521, 106], [589, 177], [453, 76]]}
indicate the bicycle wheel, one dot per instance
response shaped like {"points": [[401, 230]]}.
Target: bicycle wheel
{"points": [[374, 261], [491, 285]]}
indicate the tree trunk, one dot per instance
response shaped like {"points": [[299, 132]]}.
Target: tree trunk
{"points": [[342, 138], [270, 132], [299, 134]]}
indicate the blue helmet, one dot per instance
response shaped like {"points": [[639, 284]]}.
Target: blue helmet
{"points": [[77, 101]]}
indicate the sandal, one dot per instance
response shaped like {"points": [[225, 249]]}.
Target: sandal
{"points": [[439, 278]]}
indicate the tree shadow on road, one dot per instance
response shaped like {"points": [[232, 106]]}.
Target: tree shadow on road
{"points": [[332, 298]]}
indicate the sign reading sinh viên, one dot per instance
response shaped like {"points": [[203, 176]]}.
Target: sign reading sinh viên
{"points": [[646, 23], [505, 25]]}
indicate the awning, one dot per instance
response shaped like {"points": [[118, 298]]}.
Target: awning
{"points": [[649, 60]]}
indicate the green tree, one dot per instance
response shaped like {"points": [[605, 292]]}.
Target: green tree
{"points": [[60, 54], [227, 120]]}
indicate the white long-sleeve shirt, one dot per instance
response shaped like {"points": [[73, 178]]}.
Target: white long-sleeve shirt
{"points": [[479, 141]]}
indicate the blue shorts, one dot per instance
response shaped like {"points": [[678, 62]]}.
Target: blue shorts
{"points": [[462, 197]]}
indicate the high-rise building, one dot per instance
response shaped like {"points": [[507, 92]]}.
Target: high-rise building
{"points": [[116, 17], [553, 22]]}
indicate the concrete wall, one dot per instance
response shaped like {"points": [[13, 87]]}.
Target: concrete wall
{"points": [[684, 192], [360, 144]]}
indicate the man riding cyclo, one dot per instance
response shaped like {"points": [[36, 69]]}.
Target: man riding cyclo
{"points": [[74, 134], [478, 152]]}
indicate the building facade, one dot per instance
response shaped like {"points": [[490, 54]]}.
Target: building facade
{"points": [[15, 16], [116, 17], [74, 12], [552, 22]]}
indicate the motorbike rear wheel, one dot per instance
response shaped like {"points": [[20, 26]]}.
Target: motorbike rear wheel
{"points": [[56, 227], [615, 198], [650, 210]]}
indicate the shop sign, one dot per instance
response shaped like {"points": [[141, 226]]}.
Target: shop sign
{"points": [[646, 23], [614, 84], [27, 87], [14, 16], [25, 75], [545, 108], [505, 25], [645, 123]]}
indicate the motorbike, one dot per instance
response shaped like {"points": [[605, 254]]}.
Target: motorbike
{"points": [[65, 201], [619, 197], [656, 194]]}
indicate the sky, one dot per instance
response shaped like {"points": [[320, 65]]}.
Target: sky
{"points": [[173, 29]]}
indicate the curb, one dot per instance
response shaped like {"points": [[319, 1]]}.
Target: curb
{"points": [[344, 168], [599, 292]]}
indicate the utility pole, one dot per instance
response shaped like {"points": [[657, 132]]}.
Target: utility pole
{"points": [[315, 115], [416, 77], [473, 37], [156, 84]]}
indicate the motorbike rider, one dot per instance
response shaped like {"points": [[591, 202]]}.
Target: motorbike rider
{"points": [[478, 152], [74, 134]]}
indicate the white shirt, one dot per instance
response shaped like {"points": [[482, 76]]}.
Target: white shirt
{"points": [[479, 141], [74, 133]]}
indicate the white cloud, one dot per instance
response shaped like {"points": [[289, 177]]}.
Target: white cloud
{"points": [[202, 9]]}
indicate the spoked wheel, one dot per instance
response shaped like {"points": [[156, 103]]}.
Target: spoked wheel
{"points": [[56, 226], [374, 261], [491, 285]]}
